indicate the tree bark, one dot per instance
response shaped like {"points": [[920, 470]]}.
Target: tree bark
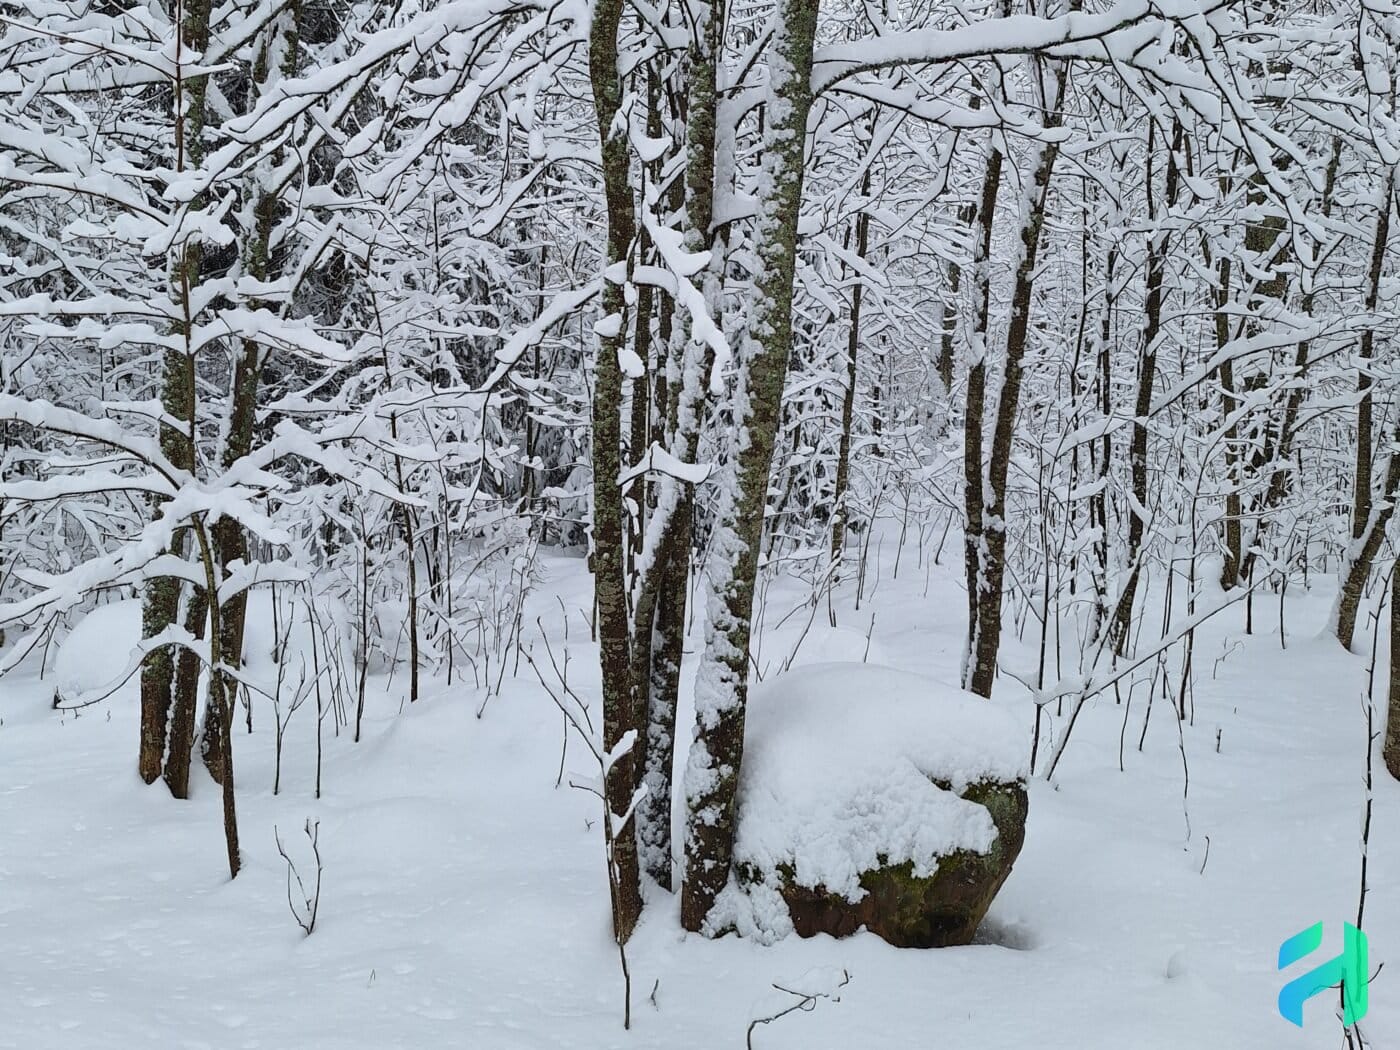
{"points": [[1391, 752], [1368, 536], [230, 542], [609, 570], [1158, 248], [974, 417], [848, 403], [161, 597], [1282, 450], [1361, 489], [662, 590], [722, 683], [986, 502]]}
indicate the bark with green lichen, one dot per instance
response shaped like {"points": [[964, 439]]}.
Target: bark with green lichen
{"points": [[722, 681]]}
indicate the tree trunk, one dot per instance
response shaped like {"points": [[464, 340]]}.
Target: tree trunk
{"points": [[1288, 425], [848, 403], [982, 656], [662, 590], [1158, 248], [1391, 748], [1362, 555], [1267, 248], [986, 483], [948, 311], [665, 651], [974, 417], [609, 570], [183, 714], [1361, 510], [722, 683], [161, 597], [230, 543], [1368, 536]]}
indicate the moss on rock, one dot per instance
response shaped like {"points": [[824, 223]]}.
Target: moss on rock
{"points": [[912, 911]]}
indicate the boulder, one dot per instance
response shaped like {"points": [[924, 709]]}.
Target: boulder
{"points": [[930, 911], [878, 799]]}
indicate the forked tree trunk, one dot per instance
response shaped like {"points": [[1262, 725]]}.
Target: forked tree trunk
{"points": [[661, 606], [986, 556], [721, 690], [160, 601]]}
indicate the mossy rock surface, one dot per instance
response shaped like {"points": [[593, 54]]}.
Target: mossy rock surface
{"points": [[912, 911], [873, 797]]}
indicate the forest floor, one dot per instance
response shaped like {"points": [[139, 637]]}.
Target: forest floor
{"points": [[464, 900]]}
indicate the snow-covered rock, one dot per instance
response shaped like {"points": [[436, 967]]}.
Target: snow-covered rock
{"points": [[99, 651], [878, 798]]}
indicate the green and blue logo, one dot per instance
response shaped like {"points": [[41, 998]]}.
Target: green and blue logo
{"points": [[1349, 970]]}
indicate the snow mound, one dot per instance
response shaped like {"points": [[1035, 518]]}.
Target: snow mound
{"points": [[99, 649], [839, 768]]}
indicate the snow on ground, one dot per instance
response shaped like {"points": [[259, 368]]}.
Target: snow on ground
{"points": [[464, 901]]}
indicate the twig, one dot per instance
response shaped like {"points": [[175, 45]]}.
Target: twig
{"points": [[806, 1002]]}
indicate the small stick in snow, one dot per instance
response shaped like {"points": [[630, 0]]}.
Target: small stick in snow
{"points": [[806, 1002]]}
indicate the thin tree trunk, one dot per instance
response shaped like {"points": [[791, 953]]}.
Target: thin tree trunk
{"points": [[974, 417], [1367, 538], [1391, 752], [848, 403], [609, 570], [1098, 503], [1361, 510], [1267, 248], [1362, 556], [183, 713], [992, 570], [948, 311], [230, 542], [1158, 249], [1288, 425]]}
